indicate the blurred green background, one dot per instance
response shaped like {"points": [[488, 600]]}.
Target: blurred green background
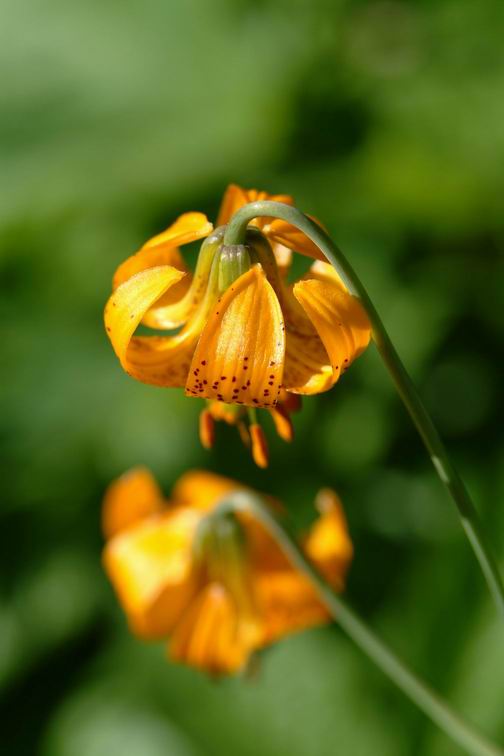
{"points": [[386, 120]]}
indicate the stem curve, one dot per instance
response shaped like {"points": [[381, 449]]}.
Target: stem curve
{"points": [[235, 234]]}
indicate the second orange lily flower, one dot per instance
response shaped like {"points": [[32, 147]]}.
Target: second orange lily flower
{"points": [[247, 338], [217, 585]]}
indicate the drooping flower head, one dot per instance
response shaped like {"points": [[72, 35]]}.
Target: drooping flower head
{"points": [[247, 337], [212, 580]]}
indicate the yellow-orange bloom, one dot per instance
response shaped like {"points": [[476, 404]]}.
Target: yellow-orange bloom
{"points": [[214, 583], [247, 336]]}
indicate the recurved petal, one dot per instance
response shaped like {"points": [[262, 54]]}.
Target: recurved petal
{"points": [[285, 599], [203, 490], [265, 555], [159, 618], [324, 271], [240, 354], [179, 304], [295, 316], [308, 368], [281, 232], [162, 361], [187, 228], [162, 314], [339, 319], [236, 197], [328, 542], [148, 258], [162, 250], [131, 300], [287, 603], [212, 634], [130, 498], [149, 566]]}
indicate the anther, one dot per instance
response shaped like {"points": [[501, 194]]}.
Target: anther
{"points": [[206, 429], [260, 453]]}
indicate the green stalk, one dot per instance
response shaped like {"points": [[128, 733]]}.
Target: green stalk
{"points": [[418, 691], [235, 234]]}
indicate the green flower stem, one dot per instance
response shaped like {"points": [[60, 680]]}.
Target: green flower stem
{"points": [[235, 234], [419, 692]]}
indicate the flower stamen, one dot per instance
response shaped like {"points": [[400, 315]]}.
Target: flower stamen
{"points": [[260, 452], [206, 429]]}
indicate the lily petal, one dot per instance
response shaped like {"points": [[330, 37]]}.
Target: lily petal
{"points": [[187, 228], [174, 307], [212, 635], [163, 314], [129, 499], [287, 603], [324, 271], [281, 232], [265, 555], [240, 354], [148, 258], [162, 361], [130, 301], [295, 315], [162, 249], [339, 319], [328, 542], [203, 490], [234, 198], [308, 368], [285, 598], [149, 566]]}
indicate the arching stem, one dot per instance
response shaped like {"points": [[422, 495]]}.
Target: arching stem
{"points": [[235, 234]]}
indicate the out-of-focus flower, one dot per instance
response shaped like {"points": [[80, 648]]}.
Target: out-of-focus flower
{"points": [[209, 578], [247, 337]]}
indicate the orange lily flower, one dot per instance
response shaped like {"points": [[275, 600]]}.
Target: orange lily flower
{"points": [[247, 336], [214, 583]]}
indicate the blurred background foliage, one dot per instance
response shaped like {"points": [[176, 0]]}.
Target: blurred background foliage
{"points": [[384, 119]]}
